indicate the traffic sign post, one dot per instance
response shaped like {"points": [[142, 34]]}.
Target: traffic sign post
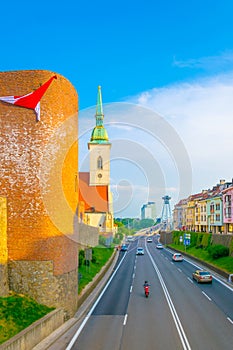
{"points": [[88, 257], [187, 238]]}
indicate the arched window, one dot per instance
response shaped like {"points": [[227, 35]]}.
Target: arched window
{"points": [[100, 163]]}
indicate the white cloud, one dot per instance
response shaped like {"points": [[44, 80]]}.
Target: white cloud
{"points": [[202, 114], [175, 140]]}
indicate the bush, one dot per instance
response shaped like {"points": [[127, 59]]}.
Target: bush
{"points": [[94, 258], [102, 240], [176, 237], [81, 256], [218, 251], [206, 239]]}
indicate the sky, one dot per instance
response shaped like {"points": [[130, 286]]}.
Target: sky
{"points": [[166, 73]]}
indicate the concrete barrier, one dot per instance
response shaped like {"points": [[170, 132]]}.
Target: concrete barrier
{"points": [[36, 332], [230, 278]]}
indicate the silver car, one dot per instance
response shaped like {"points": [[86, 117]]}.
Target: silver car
{"points": [[177, 257], [140, 251]]}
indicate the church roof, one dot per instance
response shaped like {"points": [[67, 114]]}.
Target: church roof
{"points": [[99, 133], [95, 198]]}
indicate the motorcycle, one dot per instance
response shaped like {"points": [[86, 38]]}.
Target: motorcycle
{"points": [[146, 290]]}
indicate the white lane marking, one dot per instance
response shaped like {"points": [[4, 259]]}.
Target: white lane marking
{"points": [[230, 320], [172, 262], [125, 320], [133, 275], [190, 280], [75, 337], [180, 270], [206, 295], [180, 330], [131, 288]]}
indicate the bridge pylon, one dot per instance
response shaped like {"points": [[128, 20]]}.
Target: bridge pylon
{"points": [[166, 218]]}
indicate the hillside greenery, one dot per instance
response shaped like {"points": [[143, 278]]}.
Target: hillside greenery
{"points": [[202, 247], [18, 312]]}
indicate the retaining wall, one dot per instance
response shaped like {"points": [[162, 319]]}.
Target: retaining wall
{"points": [[35, 333]]}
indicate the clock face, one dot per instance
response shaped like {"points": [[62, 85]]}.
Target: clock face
{"points": [[99, 176]]}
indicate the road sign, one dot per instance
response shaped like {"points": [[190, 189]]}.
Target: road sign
{"points": [[186, 241]]}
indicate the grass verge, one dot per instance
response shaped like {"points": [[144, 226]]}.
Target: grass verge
{"points": [[18, 312], [100, 255]]}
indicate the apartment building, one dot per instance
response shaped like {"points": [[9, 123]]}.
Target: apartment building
{"points": [[208, 211]]}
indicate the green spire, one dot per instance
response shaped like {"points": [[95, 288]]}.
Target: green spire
{"points": [[99, 133], [99, 106]]}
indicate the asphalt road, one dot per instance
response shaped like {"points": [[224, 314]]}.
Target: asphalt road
{"points": [[179, 313]]}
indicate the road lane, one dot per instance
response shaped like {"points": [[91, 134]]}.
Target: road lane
{"points": [[106, 321], [176, 309], [204, 322], [220, 293], [149, 323]]}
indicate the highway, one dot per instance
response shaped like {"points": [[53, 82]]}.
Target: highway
{"points": [[179, 313]]}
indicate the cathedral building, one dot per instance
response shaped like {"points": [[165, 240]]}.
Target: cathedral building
{"points": [[94, 186]]}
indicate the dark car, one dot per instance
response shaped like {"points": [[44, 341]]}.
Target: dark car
{"points": [[124, 247], [202, 276]]}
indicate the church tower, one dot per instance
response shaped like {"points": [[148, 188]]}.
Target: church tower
{"points": [[99, 147]]}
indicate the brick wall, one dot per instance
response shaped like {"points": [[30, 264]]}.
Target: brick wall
{"points": [[39, 164]]}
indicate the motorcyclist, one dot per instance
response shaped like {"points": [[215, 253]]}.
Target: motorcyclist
{"points": [[146, 286]]}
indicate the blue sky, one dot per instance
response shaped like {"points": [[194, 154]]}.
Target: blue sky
{"points": [[125, 46], [172, 57]]}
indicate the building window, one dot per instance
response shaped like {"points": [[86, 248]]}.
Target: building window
{"points": [[212, 208], [228, 212], [100, 163], [217, 217], [217, 206]]}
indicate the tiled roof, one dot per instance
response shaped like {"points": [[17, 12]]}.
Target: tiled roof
{"points": [[95, 198]]}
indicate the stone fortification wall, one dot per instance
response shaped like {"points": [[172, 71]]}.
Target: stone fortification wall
{"points": [[36, 278], [3, 248], [39, 165], [88, 236]]}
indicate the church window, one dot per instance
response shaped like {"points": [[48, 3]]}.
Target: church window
{"points": [[100, 163]]}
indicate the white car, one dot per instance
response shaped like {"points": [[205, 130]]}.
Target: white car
{"points": [[159, 246], [140, 251], [177, 257], [149, 240]]}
